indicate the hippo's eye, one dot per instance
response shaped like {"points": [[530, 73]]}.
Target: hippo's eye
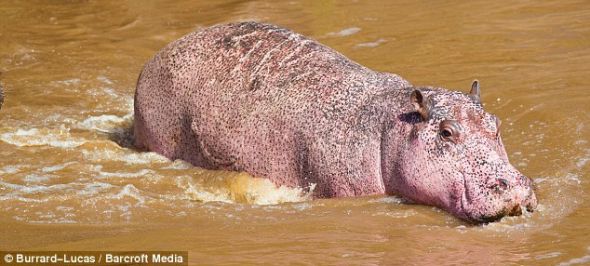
{"points": [[446, 133], [449, 130]]}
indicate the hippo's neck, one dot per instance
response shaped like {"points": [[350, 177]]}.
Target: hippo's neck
{"points": [[396, 117]]}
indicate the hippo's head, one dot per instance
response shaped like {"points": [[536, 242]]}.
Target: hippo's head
{"points": [[455, 159]]}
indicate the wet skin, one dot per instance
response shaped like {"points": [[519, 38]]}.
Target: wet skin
{"points": [[262, 99]]}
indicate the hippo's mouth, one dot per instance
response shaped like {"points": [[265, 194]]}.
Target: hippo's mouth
{"points": [[464, 202], [470, 216], [516, 210], [464, 213]]}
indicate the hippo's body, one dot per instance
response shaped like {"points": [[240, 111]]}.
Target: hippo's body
{"points": [[258, 98]]}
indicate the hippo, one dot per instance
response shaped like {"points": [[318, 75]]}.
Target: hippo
{"points": [[265, 100]]}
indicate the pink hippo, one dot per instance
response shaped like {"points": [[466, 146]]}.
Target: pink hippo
{"points": [[262, 99]]}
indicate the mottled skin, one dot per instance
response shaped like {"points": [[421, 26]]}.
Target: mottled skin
{"points": [[262, 99]]}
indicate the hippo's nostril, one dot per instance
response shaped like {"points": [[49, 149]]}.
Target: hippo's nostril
{"points": [[530, 208], [515, 211], [500, 185], [503, 183]]}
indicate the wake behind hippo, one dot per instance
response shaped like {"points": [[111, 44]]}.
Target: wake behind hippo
{"points": [[262, 99]]}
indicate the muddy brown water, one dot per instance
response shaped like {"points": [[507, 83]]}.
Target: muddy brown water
{"points": [[68, 180]]}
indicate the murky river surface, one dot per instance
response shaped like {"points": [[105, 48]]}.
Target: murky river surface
{"points": [[69, 181]]}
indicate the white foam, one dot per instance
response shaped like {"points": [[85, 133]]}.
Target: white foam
{"points": [[64, 209], [130, 191], [179, 165], [59, 119], [105, 80], [124, 156], [263, 192], [572, 178], [31, 189], [391, 199], [34, 178], [243, 188], [396, 214], [94, 188], [302, 206], [196, 192], [21, 199], [581, 260], [68, 82], [140, 173], [548, 255], [371, 44], [345, 32], [59, 220], [583, 161], [35, 137], [53, 168], [104, 123], [11, 169]]}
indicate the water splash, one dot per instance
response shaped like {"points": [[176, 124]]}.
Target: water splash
{"points": [[242, 188], [59, 138]]}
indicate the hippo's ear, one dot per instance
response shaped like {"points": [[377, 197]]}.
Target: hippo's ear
{"points": [[421, 103], [474, 93]]}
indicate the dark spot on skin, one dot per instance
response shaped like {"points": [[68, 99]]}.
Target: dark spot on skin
{"points": [[254, 84], [410, 118]]}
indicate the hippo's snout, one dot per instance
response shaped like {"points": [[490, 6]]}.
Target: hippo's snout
{"points": [[511, 196], [516, 210]]}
